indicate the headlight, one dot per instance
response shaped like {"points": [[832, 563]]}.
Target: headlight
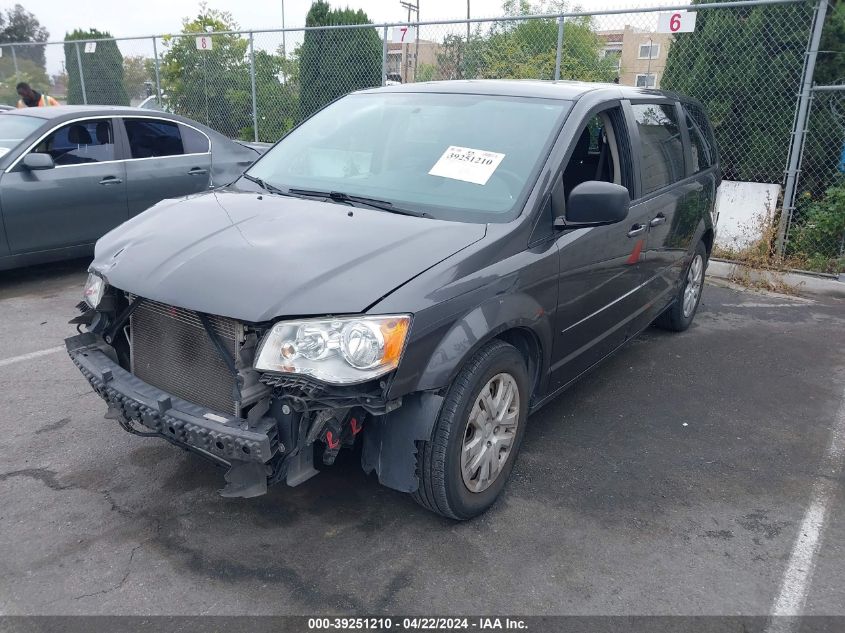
{"points": [[340, 351], [95, 288]]}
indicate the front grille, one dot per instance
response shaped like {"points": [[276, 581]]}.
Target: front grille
{"points": [[172, 351]]}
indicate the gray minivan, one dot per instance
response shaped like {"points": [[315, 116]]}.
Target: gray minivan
{"points": [[414, 269]]}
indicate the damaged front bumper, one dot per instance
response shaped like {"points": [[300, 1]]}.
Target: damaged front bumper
{"points": [[226, 439]]}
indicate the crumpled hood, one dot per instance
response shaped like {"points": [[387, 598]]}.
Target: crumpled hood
{"points": [[256, 258]]}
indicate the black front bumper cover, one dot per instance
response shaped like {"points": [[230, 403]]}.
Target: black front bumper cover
{"points": [[132, 400]]}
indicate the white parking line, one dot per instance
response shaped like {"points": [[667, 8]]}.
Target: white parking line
{"points": [[30, 356], [802, 562]]}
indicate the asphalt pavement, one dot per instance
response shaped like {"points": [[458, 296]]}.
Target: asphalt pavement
{"points": [[675, 479]]}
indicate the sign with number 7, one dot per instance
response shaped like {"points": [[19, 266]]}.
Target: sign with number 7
{"points": [[404, 34], [676, 22]]}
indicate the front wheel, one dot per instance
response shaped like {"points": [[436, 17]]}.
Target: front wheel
{"points": [[679, 315], [466, 463]]}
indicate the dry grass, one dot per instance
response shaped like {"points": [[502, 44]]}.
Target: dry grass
{"points": [[762, 266]]}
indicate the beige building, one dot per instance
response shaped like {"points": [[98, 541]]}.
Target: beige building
{"points": [[641, 55], [406, 60]]}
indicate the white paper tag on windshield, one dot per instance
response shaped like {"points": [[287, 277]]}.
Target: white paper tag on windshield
{"points": [[469, 165]]}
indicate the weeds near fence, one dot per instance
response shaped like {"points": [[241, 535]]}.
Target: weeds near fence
{"points": [[755, 249]]}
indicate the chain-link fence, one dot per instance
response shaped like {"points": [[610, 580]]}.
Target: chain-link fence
{"points": [[744, 60], [816, 231]]}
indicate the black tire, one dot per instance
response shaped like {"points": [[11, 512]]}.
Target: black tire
{"points": [[674, 318], [442, 488]]}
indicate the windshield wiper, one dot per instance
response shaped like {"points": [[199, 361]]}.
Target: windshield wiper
{"points": [[375, 203], [265, 185]]}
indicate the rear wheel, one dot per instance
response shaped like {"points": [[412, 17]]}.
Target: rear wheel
{"points": [[678, 316], [466, 463]]}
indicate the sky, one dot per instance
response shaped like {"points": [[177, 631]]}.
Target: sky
{"points": [[150, 17]]}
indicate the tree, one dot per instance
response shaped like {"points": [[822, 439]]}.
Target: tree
{"points": [[527, 49], [102, 70], [138, 75], [277, 87], [744, 65], [211, 86], [334, 62], [19, 25]]}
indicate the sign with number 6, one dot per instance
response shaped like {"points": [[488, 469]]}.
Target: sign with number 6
{"points": [[204, 43], [676, 22]]}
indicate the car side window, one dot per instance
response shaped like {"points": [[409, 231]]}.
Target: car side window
{"points": [[150, 138], [80, 143], [193, 141], [661, 148], [600, 153], [700, 139]]}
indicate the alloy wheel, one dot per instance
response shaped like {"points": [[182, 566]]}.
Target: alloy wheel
{"points": [[490, 432]]}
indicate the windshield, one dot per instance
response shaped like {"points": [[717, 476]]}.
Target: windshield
{"points": [[14, 128], [458, 157]]}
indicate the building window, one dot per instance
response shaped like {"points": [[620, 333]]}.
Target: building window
{"points": [[649, 51], [646, 81]]}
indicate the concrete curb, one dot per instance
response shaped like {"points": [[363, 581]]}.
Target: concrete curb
{"points": [[804, 284]]}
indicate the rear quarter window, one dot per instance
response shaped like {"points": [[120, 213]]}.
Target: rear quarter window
{"points": [[701, 137], [194, 141]]}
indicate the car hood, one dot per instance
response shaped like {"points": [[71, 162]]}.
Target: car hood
{"points": [[256, 257]]}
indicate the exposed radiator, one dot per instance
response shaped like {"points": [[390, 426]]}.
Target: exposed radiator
{"points": [[171, 350]]}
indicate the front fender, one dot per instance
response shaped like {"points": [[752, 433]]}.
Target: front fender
{"points": [[464, 311], [440, 354]]}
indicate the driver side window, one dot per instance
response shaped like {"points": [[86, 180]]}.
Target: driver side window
{"points": [[599, 152], [79, 143]]}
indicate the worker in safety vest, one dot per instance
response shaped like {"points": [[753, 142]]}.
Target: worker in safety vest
{"points": [[30, 98]]}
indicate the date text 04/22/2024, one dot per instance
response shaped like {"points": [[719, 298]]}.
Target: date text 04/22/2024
{"points": [[417, 624]]}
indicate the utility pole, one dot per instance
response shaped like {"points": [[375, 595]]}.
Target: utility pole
{"points": [[406, 65], [284, 56], [468, 21]]}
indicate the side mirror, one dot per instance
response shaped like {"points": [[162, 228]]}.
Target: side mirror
{"points": [[595, 203], [35, 161]]}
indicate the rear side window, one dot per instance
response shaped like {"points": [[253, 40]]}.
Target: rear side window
{"points": [[149, 138], [660, 144], [193, 141], [701, 138]]}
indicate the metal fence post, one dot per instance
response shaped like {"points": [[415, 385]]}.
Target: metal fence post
{"points": [[158, 78], [800, 125], [252, 81], [384, 56], [15, 61], [559, 47], [81, 74]]}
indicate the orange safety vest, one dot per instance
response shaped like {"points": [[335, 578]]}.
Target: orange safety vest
{"points": [[42, 102]]}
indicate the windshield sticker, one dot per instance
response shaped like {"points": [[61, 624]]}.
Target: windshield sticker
{"points": [[469, 165]]}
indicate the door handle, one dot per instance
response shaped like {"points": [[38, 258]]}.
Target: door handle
{"points": [[637, 229], [111, 180], [197, 171], [658, 220]]}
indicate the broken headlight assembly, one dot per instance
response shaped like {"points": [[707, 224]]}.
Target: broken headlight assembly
{"points": [[95, 288], [338, 351]]}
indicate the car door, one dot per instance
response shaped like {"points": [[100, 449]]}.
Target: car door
{"points": [[600, 268], [77, 201], [166, 159], [669, 199]]}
